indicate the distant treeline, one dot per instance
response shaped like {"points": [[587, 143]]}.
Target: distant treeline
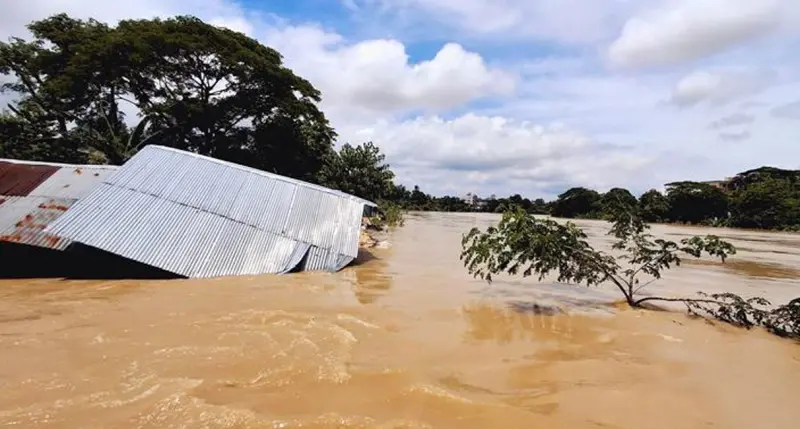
{"points": [[764, 198]]}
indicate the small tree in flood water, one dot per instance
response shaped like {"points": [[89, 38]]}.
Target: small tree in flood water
{"points": [[521, 243]]}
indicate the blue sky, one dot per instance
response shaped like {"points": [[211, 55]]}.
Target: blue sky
{"points": [[529, 96]]}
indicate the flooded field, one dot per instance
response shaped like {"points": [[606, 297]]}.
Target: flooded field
{"points": [[404, 340]]}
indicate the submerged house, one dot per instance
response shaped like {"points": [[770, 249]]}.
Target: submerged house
{"points": [[32, 196], [194, 216]]}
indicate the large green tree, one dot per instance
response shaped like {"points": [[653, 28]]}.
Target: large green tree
{"points": [[694, 202], [205, 89], [614, 197], [360, 171], [769, 203], [576, 202], [654, 206]]}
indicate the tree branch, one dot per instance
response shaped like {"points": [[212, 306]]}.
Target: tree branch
{"points": [[639, 302]]}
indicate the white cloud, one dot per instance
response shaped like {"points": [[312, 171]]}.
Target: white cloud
{"points": [[684, 30], [733, 120], [377, 75], [734, 136], [787, 111], [479, 150], [719, 86]]}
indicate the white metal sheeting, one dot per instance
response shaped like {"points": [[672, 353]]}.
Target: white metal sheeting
{"points": [[73, 182], [200, 217]]}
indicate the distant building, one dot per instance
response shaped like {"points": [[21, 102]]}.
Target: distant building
{"points": [[470, 199], [719, 184], [474, 201]]}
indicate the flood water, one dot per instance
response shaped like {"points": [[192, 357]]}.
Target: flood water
{"points": [[405, 340]]}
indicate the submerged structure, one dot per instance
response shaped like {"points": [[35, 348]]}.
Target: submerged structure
{"points": [[32, 196], [196, 216]]}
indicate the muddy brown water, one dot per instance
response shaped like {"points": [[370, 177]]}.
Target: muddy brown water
{"points": [[405, 340]]}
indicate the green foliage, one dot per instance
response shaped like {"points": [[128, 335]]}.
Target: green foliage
{"points": [[577, 203], [22, 140], [693, 202], [747, 313], [749, 177], [654, 206], [523, 243], [116, 144], [360, 171], [765, 198], [451, 204], [615, 197], [768, 203], [389, 214], [204, 89]]}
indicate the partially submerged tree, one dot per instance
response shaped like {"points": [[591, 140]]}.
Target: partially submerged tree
{"points": [[521, 243], [526, 244], [730, 308]]}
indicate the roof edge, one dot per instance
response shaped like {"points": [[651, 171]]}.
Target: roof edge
{"points": [[259, 172], [57, 164]]}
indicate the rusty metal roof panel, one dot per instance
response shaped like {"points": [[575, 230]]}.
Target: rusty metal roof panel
{"points": [[24, 219], [18, 179], [201, 217], [26, 210]]}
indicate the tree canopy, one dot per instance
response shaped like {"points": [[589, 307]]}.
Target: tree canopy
{"points": [[693, 202], [577, 202], [654, 206], [360, 171], [202, 88]]}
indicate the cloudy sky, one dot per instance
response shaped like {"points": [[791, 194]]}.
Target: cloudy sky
{"points": [[528, 96]]}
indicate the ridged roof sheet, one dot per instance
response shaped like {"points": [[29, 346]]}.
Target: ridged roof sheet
{"points": [[201, 217]]}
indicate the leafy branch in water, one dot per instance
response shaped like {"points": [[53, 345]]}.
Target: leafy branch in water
{"points": [[389, 214], [522, 243], [747, 313]]}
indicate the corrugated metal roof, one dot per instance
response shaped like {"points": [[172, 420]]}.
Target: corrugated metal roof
{"points": [[73, 181], [23, 220], [201, 217], [26, 210], [18, 179]]}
